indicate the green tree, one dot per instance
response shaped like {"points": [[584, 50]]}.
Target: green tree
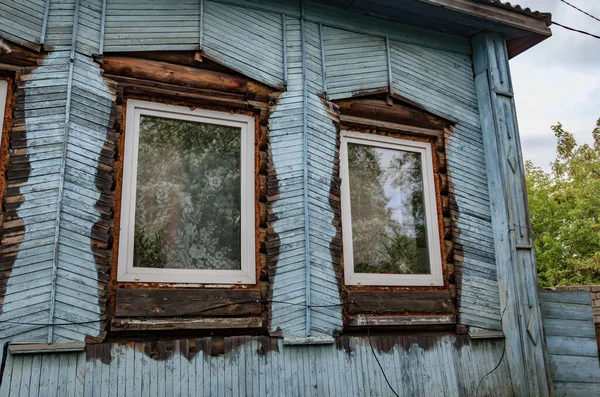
{"points": [[565, 212]]}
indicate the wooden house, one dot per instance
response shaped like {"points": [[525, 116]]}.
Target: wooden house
{"points": [[252, 198]]}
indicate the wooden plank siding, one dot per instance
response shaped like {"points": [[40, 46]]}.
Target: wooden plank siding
{"points": [[571, 340], [429, 69], [288, 273], [515, 262], [259, 366], [321, 144], [21, 22], [248, 41], [152, 25], [442, 83], [62, 120]]}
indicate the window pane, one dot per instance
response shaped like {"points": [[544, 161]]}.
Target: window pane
{"points": [[388, 212], [188, 196]]}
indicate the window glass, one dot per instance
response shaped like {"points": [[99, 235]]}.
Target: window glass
{"points": [[187, 208], [388, 212], [188, 195]]}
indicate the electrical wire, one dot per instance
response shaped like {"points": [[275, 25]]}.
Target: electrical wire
{"points": [[375, 355], [576, 30], [207, 309], [580, 10], [377, 359], [501, 357]]}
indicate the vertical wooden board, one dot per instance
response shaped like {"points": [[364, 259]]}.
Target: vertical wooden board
{"points": [[288, 318]]}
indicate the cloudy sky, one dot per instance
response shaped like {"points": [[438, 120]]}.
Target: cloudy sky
{"points": [[558, 80]]}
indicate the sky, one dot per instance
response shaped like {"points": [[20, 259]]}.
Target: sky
{"points": [[558, 80]]}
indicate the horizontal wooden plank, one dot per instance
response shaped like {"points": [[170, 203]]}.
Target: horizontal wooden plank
{"points": [[574, 368], [572, 346], [567, 311], [570, 389], [37, 348], [186, 302], [186, 323], [399, 302], [576, 297]]}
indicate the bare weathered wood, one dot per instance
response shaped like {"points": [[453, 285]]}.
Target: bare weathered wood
{"points": [[397, 321], [388, 126], [187, 302], [173, 74], [398, 113], [360, 302], [187, 323]]}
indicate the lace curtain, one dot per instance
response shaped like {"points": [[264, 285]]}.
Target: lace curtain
{"points": [[188, 201]]}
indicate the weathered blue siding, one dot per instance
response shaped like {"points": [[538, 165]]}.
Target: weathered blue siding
{"points": [[436, 74], [60, 213], [515, 262], [22, 22], [426, 366], [572, 346], [152, 25], [442, 83], [66, 114]]}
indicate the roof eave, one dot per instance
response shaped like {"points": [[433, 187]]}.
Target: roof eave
{"points": [[533, 26]]}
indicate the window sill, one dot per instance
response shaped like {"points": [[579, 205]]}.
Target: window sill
{"points": [[171, 324], [400, 321]]}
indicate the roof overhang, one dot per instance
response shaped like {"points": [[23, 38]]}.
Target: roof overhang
{"points": [[521, 27]]}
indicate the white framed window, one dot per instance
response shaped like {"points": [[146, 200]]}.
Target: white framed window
{"points": [[3, 93], [389, 212], [187, 210]]}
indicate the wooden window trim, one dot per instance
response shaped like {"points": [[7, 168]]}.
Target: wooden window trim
{"points": [[126, 271], [436, 278]]}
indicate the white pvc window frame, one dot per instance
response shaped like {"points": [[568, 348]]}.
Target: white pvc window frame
{"points": [[126, 271], [435, 278], [3, 94]]}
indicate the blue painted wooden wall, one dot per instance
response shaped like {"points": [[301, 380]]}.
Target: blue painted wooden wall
{"points": [[572, 346], [441, 366], [317, 54], [425, 67]]}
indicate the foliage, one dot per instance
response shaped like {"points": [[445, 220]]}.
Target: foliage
{"points": [[565, 212], [398, 256], [149, 248]]}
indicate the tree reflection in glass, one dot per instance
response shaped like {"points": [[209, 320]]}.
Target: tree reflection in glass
{"points": [[388, 211], [188, 195]]}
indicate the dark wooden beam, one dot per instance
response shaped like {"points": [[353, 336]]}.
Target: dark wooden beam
{"points": [[185, 76], [385, 302], [187, 302], [379, 111]]}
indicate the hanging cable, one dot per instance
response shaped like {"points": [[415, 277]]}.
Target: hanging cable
{"points": [[580, 10], [576, 30]]}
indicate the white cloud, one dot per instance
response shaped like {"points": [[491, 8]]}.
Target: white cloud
{"points": [[558, 80]]}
